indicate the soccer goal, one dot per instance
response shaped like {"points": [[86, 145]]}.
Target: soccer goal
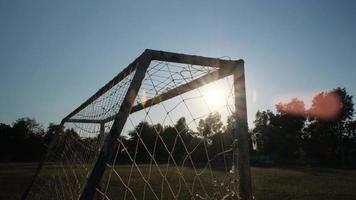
{"points": [[169, 126]]}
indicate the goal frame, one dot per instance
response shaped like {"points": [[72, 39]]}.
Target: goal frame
{"points": [[140, 66]]}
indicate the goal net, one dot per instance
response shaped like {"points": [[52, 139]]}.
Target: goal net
{"points": [[169, 126]]}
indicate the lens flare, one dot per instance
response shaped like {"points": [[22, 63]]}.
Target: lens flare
{"points": [[143, 98], [326, 106]]}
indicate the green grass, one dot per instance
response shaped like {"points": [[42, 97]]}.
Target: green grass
{"points": [[268, 183], [160, 186]]}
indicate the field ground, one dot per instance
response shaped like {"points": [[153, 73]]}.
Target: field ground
{"points": [[268, 183]]}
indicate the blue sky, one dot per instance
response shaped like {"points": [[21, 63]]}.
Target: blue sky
{"points": [[54, 55]]}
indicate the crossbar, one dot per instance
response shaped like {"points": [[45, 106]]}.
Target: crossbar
{"points": [[153, 55], [208, 78], [192, 59]]}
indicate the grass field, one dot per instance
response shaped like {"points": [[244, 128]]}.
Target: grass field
{"points": [[268, 183]]}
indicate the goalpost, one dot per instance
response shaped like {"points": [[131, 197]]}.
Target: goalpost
{"points": [[169, 126]]}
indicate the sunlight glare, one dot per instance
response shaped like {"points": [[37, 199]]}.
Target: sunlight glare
{"points": [[214, 98]]}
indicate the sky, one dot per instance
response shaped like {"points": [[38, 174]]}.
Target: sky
{"points": [[55, 54]]}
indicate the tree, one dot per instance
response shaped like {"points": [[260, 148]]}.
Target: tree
{"points": [[26, 139], [6, 143], [52, 130], [210, 125], [329, 116], [182, 139], [279, 135], [351, 130], [211, 130], [290, 120], [264, 132], [142, 140], [228, 135]]}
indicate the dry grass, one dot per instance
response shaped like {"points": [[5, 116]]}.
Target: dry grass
{"points": [[268, 183]]}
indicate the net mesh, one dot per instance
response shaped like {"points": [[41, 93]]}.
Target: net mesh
{"points": [[177, 148]]}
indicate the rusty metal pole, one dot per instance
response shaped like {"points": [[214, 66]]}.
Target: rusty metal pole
{"points": [[241, 134]]}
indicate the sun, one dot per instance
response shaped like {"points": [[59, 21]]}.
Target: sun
{"points": [[214, 97]]}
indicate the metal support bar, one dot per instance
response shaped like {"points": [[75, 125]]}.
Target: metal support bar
{"points": [[241, 134], [102, 128], [89, 121], [120, 120], [192, 59]]}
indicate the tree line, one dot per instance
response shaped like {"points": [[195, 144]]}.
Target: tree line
{"points": [[325, 133], [178, 143], [25, 140]]}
